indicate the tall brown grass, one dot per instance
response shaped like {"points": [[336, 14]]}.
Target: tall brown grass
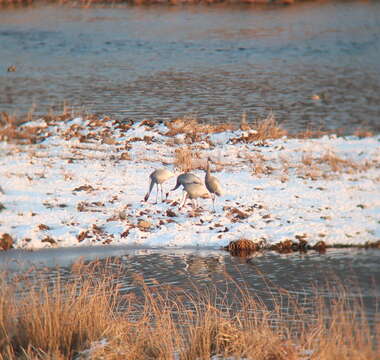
{"points": [[269, 129], [265, 129], [91, 318], [187, 159]]}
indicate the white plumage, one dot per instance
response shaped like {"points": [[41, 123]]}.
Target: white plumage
{"points": [[193, 191], [158, 177], [185, 178]]}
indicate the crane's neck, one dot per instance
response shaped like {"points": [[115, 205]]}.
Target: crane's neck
{"points": [[208, 169]]}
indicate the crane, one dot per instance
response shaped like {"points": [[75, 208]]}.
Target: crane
{"points": [[212, 184], [193, 191], [185, 178], [158, 177]]}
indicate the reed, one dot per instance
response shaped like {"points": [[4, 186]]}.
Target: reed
{"points": [[265, 129], [187, 159], [90, 318]]}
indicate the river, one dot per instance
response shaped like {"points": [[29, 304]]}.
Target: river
{"points": [[314, 65], [266, 275]]}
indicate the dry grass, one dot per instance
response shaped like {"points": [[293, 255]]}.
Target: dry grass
{"points": [[54, 322], [63, 319], [243, 247], [269, 129], [313, 134], [11, 131], [259, 163], [328, 165], [193, 129], [338, 164], [362, 133], [263, 130], [187, 159]]}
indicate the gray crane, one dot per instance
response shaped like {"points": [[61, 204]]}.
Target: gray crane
{"points": [[158, 177], [185, 178], [193, 191], [212, 184]]}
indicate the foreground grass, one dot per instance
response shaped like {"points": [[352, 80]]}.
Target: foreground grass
{"points": [[91, 318]]}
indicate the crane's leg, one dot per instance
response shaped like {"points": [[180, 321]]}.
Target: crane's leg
{"points": [[183, 196], [156, 195], [213, 201], [162, 193], [149, 191], [183, 202]]}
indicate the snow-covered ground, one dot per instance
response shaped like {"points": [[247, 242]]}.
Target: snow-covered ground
{"points": [[84, 184]]}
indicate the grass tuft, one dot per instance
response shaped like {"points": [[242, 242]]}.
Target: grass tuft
{"points": [[263, 130], [187, 159]]}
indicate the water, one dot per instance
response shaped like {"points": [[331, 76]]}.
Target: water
{"points": [[266, 274], [214, 62]]}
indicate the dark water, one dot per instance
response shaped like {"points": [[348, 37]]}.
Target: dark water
{"points": [[265, 275], [214, 62]]}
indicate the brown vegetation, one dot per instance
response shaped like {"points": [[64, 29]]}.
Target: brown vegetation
{"points": [[246, 247], [328, 165], [10, 130], [89, 318], [193, 129], [187, 159], [338, 164], [259, 164], [263, 130], [243, 247], [6, 242], [362, 133], [289, 246]]}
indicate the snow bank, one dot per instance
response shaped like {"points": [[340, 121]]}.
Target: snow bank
{"points": [[84, 184]]}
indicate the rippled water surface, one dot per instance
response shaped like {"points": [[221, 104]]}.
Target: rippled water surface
{"points": [[213, 62], [265, 274]]}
